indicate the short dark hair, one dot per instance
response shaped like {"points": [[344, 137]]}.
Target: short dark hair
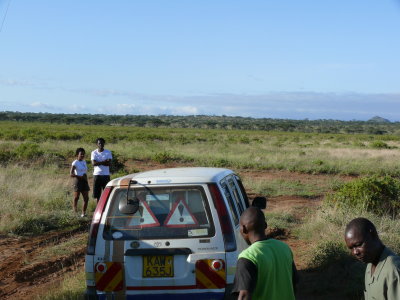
{"points": [[100, 140], [79, 150], [363, 225]]}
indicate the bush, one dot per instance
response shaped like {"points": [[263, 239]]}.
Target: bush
{"points": [[379, 145], [164, 157], [28, 151], [5, 157], [373, 193], [327, 253], [118, 163], [330, 258], [221, 163]]}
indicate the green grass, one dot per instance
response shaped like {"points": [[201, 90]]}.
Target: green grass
{"points": [[35, 186], [71, 288], [292, 151], [36, 200]]}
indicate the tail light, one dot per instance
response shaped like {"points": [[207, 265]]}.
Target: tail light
{"points": [[224, 219], [109, 276], [210, 274], [94, 227]]}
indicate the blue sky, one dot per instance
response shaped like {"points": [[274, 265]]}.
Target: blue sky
{"points": [[295, 59]]}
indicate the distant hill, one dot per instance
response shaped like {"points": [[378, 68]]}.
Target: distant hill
{"points": [[378, 119]]}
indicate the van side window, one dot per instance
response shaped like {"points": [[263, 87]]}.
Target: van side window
{"points": [[231, 203], [242, 191], [236, 195]]}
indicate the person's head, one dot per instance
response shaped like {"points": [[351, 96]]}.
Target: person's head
{"points": [[80, 153], [252, 224], [363, 241], [100, 142]]}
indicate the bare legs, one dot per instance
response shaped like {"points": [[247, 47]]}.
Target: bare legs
{"points": [[85, 196]]}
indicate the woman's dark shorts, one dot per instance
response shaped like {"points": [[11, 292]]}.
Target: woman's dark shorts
{"points": [[81, 185], [99, 183]]}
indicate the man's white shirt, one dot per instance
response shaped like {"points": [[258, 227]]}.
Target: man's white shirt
{"points": [[99, 157]]}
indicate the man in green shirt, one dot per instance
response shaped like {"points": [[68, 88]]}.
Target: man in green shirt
{"points": [[265, 270], [382, 276]]}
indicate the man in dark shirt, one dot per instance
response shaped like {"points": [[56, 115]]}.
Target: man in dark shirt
{"points": [[265, 270]]}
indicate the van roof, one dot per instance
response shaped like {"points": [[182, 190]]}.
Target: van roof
{"points": [[175, 175]]}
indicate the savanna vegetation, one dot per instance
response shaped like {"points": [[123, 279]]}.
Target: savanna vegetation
{"points": [[375, 125], [358, 176]]}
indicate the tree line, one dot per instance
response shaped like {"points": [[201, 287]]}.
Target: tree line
{"points": [[211, 122]]}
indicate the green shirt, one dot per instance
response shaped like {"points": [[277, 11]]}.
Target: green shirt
{"points": [[384, 284], [273, 260]]}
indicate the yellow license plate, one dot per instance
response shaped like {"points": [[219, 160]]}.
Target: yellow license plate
{"points": [[158, 266]]}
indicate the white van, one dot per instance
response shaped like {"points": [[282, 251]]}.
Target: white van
{"points": [[166, 234]]}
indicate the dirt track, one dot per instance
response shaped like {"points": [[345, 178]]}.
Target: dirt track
{"points": [[24, 273]]}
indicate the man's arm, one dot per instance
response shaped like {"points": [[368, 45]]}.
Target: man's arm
{"points": [[245, 279], [393, 284], [106, 162], [244, 295], [295, 277]]}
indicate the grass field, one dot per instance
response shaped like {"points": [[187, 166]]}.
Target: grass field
{"points": [[36, 192]]}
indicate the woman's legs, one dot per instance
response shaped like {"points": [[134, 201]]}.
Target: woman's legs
{"points": [[75, 201], [85, 195]]}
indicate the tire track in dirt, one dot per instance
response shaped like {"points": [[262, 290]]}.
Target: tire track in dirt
{"points": [[19, 280]]}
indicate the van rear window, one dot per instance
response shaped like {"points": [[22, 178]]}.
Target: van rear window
{"points": [[173, 212]]}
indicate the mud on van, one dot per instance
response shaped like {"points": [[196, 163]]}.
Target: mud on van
{"points": [[166, 234]]}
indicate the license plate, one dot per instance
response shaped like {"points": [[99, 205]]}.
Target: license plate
{"points": [[158, 266]]}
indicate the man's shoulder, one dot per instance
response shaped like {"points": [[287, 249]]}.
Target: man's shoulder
{"points": [[394, 260], [268, 243], [278, 243]]}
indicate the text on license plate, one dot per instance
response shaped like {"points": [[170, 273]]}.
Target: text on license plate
{"points": [[158, 266]]}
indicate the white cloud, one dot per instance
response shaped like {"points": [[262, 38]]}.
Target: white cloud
{"points": [[42, 105], [185, 110]]}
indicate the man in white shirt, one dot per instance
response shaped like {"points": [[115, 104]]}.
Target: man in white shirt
{"points": [[101, 161]]}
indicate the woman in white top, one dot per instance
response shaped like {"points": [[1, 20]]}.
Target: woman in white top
{"points": [[78, 172]]}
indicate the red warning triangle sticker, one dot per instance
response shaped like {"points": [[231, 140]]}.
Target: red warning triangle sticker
{"points": [[144, 217], [180, 216]]}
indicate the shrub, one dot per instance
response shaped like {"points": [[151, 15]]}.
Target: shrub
{"points": [[5, 156], [379, 145], [330, 258], [221, 163], [327, 253], [28, 151], [163, 157], [373, 193], [118, 163]]}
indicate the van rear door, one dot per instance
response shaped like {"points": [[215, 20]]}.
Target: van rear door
{"points": [[172, 244]]}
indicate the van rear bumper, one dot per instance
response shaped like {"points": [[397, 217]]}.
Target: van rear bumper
{"points": [[183, 296]]}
